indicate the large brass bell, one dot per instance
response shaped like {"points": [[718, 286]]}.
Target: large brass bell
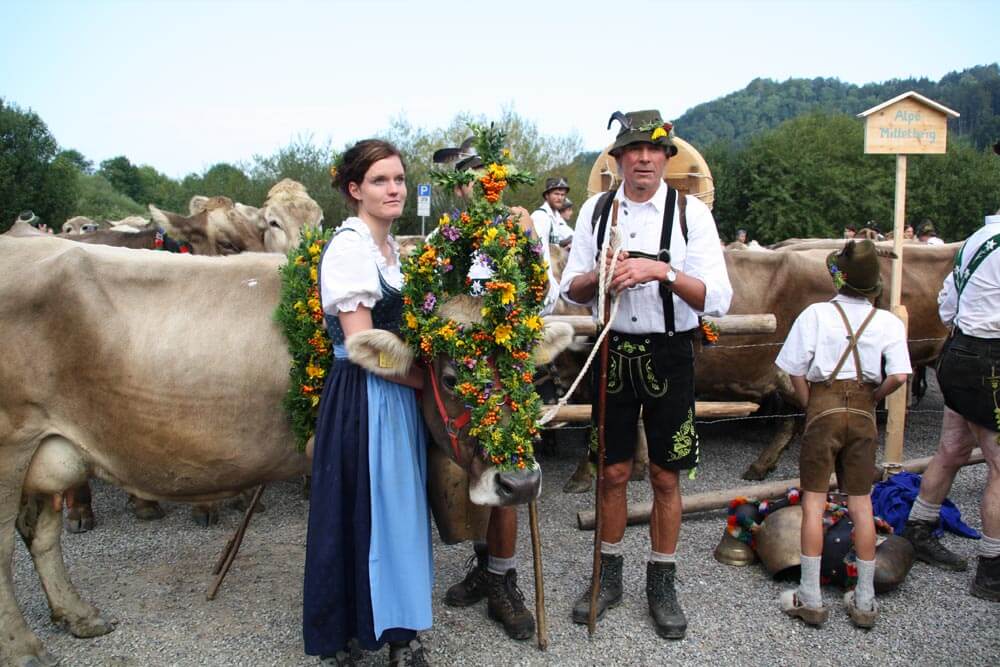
{"points": [[779, 540], [732, 551]]}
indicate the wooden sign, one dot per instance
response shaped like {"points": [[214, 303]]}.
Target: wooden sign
{"points": [[910, 123]]}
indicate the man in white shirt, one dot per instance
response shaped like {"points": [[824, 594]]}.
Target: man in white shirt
{"points": [[927, 234], [670, 270], [969, 375], [551, 228], [839, 379]]}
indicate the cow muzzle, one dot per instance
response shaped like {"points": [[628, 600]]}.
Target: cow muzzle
{"points": [[506, 488]]}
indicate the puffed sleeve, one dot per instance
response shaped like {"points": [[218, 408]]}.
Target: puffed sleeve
{"points": [[349, 274]]}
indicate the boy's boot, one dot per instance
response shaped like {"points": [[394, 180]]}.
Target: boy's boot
{"points": [[472, 588], [610, 594], [986, 585], [506, 604], [662, 597]]}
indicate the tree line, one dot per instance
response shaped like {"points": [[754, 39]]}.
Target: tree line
{"points": [[784, 165]]}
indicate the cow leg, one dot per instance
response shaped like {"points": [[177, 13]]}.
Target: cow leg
{"points": [[145, 510], [205, 515], [768, 459], [582, 478], [18, 644], [79, 510], [40, 526], [242, 502]]}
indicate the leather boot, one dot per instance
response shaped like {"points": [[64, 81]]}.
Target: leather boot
{"points": [[472, 588], [506, 604], [986, 585], [610, 594], [662, 597], [929, 549]]}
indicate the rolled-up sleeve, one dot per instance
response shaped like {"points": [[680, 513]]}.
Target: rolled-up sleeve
{"points": [[705, 260], [349, 275], [948, 301], [583, 251], [797, 353]]}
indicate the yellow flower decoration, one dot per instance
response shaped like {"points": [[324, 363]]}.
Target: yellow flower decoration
{"points": [[497, 172], [657, 133], [314, 250], [315, 371], [411, 320], [502, 333], [507, 293], [490, 234], [533, 322], [313, 274]]}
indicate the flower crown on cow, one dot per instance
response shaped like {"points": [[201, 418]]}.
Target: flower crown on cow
{"points": [[483, 253]]}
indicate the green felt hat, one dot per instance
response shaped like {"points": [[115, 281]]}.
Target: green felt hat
{"points": [[642, 127], [855, 269]]}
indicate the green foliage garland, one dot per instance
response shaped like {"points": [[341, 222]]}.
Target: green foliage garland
{"points": [[300, 315], [492, 358]]}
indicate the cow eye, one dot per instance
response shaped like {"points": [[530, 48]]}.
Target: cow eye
{"points": [[275, 224], [449, 382], [228, 248]]}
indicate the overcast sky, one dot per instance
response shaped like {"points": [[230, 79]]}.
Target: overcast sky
{"points": [[181, 85]]}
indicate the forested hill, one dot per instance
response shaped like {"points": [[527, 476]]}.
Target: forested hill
{"points": [[764, 104]]}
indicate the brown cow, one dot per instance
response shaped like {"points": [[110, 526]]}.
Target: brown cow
{"points": [[195, 340]]}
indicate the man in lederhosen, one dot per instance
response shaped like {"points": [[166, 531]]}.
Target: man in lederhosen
{"points": [[969, 375], [833, 355], [671, 269]]}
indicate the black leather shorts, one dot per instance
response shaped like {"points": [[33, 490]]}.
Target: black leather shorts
{"points": [[969, 375], [654, 372]]}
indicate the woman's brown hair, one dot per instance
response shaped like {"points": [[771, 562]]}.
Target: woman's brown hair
{"points": [[355, 163]]}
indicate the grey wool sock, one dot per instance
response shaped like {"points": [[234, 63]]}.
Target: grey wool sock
{"points": [[864, 592], [501, 565], [989, 547], [924, 511], [809, 592]]}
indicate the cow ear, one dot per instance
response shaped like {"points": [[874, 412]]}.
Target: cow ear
{"points": [[556, 338], [189, 229], [380, 352], [252, 214], [197, 204]]}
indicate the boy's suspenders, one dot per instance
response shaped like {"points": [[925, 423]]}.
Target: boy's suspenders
{"points": [[852, 345]]}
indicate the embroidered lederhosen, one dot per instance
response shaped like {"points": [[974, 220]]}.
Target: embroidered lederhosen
{"points": [[840, 434], [969, 369], [654, 372]]}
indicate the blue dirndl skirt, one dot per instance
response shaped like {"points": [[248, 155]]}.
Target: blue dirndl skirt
{"points": [[368, 571]]}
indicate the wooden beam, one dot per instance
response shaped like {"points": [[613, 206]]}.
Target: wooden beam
{"points": [[703, 409], [730, 325], [712, 500]]}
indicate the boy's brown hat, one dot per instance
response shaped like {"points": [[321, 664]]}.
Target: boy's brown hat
{"points": [[855, 269]]}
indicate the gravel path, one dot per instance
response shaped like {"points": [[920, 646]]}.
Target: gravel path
{"points": [[152, 578]]}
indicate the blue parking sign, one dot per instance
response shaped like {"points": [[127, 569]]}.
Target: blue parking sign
{"points": [[424, 190]]}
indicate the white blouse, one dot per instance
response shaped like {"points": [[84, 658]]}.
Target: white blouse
{"points": [[349, 272]]}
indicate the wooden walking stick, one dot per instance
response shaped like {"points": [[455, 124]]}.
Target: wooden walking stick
{"points": [[536, 552], [602, 399], [229, 553]]}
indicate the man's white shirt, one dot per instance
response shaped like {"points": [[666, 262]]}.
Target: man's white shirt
{"points": [[978, 314]]}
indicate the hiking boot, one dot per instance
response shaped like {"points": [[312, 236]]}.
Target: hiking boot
{"points": [[407, 654], [472, 589], [610, 594], [986, 585], [929, 549], [506, 604], [662, 597]]}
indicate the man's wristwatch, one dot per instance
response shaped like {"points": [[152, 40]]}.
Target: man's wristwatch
{"points": [[671, 278]]}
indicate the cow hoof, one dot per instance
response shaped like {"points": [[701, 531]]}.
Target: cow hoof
{"points": [[755, 473], [79, 520], [146, 510], [89, 626], [205, 516], [242, 503], [577, 484]]}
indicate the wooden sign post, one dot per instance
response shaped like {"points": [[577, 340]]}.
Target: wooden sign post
{"points": [[909, 123]]}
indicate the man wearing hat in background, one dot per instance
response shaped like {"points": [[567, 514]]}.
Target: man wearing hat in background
{"points": [[969, 376], [927, 234], [564, 229], [670, 270], [551, 228], [839, 380]]}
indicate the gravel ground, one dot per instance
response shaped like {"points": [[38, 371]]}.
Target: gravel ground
{"points": [[152, 578]]}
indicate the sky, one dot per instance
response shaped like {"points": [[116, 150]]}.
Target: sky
{"points": [[182, 85]]}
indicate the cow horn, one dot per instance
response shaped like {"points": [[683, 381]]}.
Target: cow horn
{"points": [[557, 337], [380, 352], [885, 252], [621, 118]]}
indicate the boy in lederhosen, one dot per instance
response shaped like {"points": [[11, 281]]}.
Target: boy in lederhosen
{"points": [[834, 355]]}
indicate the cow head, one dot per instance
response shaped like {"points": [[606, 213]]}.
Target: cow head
{"points": [[79, 225], [384, 353], [288, 210], [216, 226]]}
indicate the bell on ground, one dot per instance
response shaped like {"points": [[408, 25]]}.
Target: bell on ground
{"points": [[778, 540], [732, 551]]}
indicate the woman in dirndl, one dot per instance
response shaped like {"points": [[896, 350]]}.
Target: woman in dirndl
{"points": [[368, 573]]}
